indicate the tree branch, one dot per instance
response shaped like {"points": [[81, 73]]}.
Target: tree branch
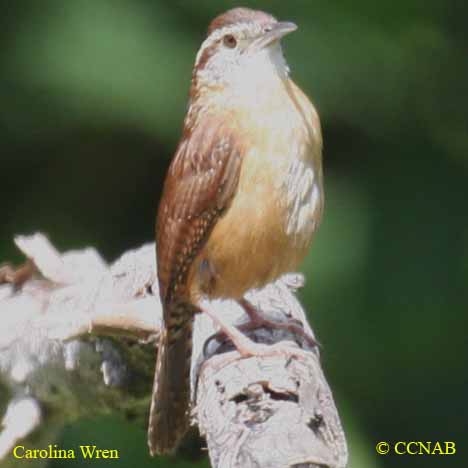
{"points": [[70, 326]]}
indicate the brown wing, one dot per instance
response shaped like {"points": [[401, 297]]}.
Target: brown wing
{"points": [[201, 181]]}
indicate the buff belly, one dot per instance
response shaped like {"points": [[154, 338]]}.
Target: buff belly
{"points": [[267, 229], [265, 232]]}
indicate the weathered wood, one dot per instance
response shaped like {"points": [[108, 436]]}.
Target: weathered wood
{"points": [[67, 350]]}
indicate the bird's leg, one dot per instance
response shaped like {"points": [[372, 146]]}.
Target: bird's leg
{"points": [[247, 347], [257, 321]]}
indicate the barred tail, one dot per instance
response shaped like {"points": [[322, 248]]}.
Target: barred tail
{"points": [[169, 413]]}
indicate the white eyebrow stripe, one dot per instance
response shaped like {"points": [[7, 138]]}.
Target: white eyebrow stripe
{"points": [[217, 34]]}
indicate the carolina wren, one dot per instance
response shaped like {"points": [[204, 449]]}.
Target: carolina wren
{"points": [[242, 198]]}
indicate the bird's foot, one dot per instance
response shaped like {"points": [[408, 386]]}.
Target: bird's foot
{"points": [[247, 347], [257, 320]]}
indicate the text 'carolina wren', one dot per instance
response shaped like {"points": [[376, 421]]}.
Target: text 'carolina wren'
{"points": [[242, 198]]}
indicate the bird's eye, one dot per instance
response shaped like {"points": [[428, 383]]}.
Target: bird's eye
{"points": [[229, 41]]}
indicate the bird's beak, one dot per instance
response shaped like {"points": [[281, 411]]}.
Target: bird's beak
{"points": [[274, 34]]}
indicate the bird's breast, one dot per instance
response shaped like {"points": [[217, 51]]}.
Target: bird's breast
{"points": [[284, 164], [282, 179], [268, 227]]}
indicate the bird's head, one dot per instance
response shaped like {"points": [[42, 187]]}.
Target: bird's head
{"points": [[242, 49]]}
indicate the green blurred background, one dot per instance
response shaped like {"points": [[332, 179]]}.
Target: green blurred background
{"points": [[93, 94]]}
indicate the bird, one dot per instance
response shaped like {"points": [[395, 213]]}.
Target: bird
{"points": [[242, 198]]}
